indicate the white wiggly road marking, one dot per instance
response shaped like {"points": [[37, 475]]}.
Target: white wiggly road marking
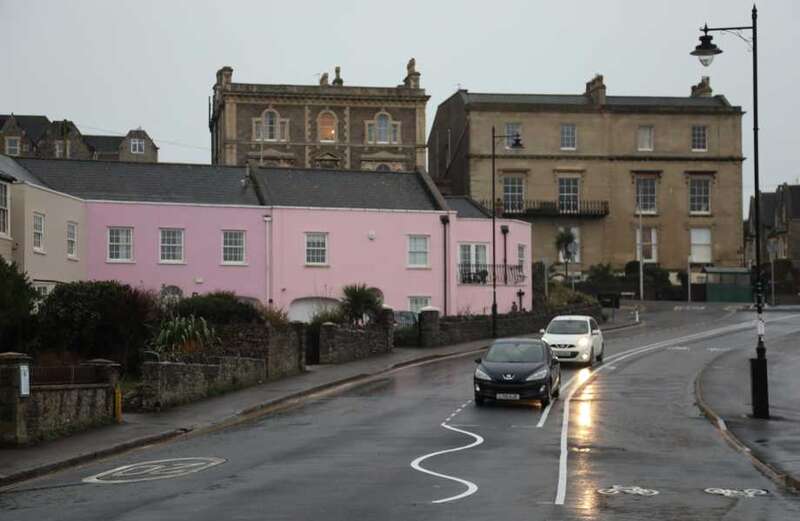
{"points": [[561, 491], [471, 487], [543, 418]]}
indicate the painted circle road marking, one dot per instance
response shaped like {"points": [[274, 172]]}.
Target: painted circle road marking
{"points": [[735, 492], [634, 490], [151, 470]]}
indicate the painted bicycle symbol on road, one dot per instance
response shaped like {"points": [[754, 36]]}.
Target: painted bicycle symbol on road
{"points": [[152, 470], [735, 492], [621, 489]]}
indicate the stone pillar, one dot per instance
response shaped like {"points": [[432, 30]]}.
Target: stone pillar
{"points": [[299, 329], [327, 343], [108, 369], [386, 322], [429, 327], [13, 430]]}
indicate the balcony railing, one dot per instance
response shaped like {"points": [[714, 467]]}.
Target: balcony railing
{"points": [[504, 274], [533, 209]]}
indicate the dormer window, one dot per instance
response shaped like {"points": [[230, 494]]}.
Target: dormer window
{"points": [[270, 127], [137, 146], [327, 127], [12, 146], [383, 130]]}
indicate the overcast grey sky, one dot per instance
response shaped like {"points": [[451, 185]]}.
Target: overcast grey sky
{"points": [[111, 65]]}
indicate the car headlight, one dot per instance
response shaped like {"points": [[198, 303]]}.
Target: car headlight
{"points": [[480, 374], [538, 375], [584, 342]]}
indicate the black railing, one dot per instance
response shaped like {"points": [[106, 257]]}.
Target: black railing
{"points": [[66, 375], [505, 274], [569, 208]]}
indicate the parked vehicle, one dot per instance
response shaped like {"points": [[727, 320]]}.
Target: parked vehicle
{"points": [[517, 369], [575, 338]]}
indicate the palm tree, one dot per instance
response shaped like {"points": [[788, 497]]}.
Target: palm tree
{"points": [[564, 238], [361, 301]]}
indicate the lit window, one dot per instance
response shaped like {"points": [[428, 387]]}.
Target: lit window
{"points": [[569, 137], [327, 127], [317, 248], [699, 196], [4, 204], [120, 244], [137, 146], [699, 138], [568, 194], [576, 232], [12, 146], [512, 130], [649, 246], [513, 194], [72, 239], [415, 304], [418, 251], [701, 245], [646, 194], [645, 138], [233, 247], [38, 232], [171, 245]]}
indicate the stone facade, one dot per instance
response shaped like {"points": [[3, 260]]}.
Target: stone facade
{"points": [[584, 157], [319, 126], [339, 344]]}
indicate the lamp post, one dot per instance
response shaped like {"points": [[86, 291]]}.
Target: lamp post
{"points": [[758, 366], [515, 144]]}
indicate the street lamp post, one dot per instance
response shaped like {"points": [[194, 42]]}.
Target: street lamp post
{"points": [[515, 144], [758, 366]]}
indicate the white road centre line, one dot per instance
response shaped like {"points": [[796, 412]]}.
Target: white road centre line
{"points": [[543, 417], [471, 487], [561, 490]]}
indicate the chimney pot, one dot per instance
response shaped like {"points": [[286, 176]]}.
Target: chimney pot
{"points": [[596, 90], [702, 89]]}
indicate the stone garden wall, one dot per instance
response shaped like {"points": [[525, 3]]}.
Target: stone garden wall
{"points": [[339, 344]]}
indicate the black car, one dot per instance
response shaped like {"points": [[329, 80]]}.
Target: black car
{"points": [[517, 369]]}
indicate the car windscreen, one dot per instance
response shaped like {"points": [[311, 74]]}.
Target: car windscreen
{"points": [[515, 352], [568, 327]]}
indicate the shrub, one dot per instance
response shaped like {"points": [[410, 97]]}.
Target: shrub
{"points": [[562, 296], [184, 335], [17, 300], [276, 317], [98, 319], [219, 308], [359, 302], [601, 275], [406, 336]]}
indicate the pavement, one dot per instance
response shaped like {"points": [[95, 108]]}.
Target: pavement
{"points": [[773, 444], [140, 429]]}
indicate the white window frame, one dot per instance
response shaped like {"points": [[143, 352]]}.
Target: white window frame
{"points": [[17, 148], [513, 193], [652, 242], [372, 130], [576, 231], [695, 134], [182, 246], [412, 252], [693, 197], [521, 255], [242, 262], [61, 149], [473, 253], [72, 241], [120, 260], [41, 233], [641, 197], [324, 249], [5, 209], [418, 302], [645, 138], [512, 128], [137, 146], [569, 132], [566, 196], [709, 245]]}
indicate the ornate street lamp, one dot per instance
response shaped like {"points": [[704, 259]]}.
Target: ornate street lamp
{"points": [[758, 366], [516, 144]]}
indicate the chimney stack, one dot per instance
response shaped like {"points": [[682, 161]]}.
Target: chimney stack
{"points": [[224, 76], [411, 80], [337, 81], [702, 89], [596, 90]]}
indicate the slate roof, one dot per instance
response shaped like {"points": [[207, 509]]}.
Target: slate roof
{"points": [[794, 190], [10, 170], [345, 189], [466, 207], [580, 100], [34, 126], [152, 182], [104, 143]]}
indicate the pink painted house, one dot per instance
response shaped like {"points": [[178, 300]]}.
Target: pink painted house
{"points": [[291, 238]]}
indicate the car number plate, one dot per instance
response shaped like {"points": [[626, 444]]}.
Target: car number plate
{"points": [[507, 396]]}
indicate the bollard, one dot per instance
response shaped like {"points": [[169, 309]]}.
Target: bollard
{"points": [[117, 404]]}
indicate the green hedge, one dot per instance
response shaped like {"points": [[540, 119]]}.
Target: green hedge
{"points": [[17, 299], [219, 308]]}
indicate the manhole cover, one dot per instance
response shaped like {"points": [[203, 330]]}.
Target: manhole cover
{"points": [[151, 470]]}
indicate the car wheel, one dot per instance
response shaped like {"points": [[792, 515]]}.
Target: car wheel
{"points": [[479, 400], [557, 390], [602, 352], [546, 400], [590, 363]]}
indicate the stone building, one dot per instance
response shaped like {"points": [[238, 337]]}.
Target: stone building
{"points": [[594, 163], [329, 125], [780, 226], [37, 136]]}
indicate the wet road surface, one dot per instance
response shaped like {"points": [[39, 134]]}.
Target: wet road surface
{"points": [[348, 456]]}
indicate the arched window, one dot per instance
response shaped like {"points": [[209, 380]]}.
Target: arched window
{"points": [[270, 123], [383, 128], [327, 127], [383, 167]]}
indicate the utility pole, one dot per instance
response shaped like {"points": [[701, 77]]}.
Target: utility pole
{"points": [[641, 257]]}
